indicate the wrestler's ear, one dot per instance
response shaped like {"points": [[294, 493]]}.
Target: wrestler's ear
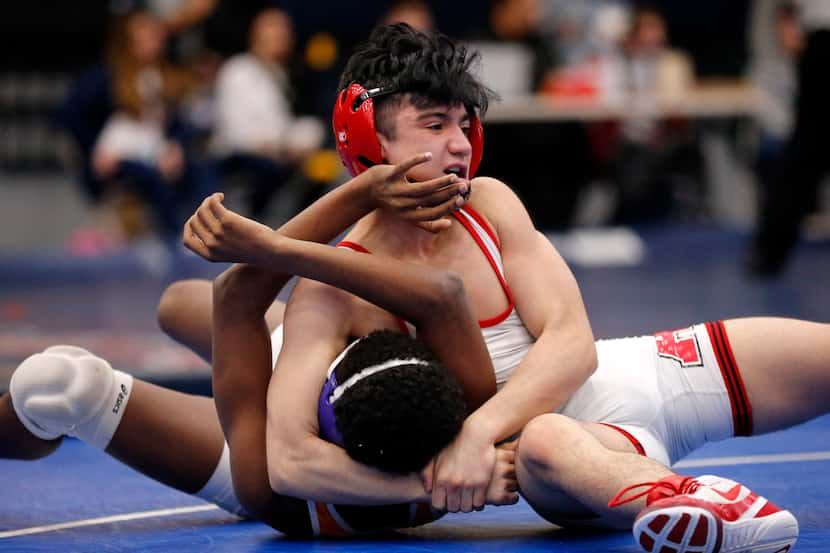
{"points": [[385, 143]]}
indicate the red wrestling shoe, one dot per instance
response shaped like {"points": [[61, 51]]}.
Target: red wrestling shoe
{"points": [[708, 514]]}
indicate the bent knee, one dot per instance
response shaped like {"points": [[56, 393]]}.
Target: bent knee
{"points": [[176, 301], [545, 440]]}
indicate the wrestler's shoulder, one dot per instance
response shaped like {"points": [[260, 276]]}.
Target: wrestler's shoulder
{"points": [[495, 201]]}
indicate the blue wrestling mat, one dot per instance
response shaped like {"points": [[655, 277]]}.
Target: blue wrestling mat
{"points": [[81, 500]]}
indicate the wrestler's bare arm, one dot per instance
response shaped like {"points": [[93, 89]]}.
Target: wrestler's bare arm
{"points": [[563, 357], [549, 302], [301, 464], [382, 186]]}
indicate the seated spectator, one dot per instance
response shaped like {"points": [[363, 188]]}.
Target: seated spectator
{"points": [[142, 144], [82, 114], [655, 68], [256, 130]]}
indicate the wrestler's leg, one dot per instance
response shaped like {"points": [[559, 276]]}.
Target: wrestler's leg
{"points": [[172, 437], [785, 367], [569, 470], [185, 313]]}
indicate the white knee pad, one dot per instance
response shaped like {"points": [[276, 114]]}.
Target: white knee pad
{"points": [[67, 390]]}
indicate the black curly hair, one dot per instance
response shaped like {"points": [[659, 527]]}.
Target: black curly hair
{"points": [[400, 418], [428, 68]]}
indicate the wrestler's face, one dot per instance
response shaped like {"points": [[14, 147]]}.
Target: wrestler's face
{"points": [[439, 129]]}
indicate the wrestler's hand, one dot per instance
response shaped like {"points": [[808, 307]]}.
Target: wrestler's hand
{"points": [[503, 488], [218, 234], [463, 472], [426, 203]]}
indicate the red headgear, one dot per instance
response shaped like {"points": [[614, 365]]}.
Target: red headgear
{"points": [[354, 130]]}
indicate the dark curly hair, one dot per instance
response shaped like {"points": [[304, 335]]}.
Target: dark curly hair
{"points": [[400, 418], [430, 69]]}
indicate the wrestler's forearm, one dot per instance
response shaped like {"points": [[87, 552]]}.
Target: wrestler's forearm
{"points": [[539, 385], [324, 472], [330, 215], [382, 186], [321, 222], [424, 202]]}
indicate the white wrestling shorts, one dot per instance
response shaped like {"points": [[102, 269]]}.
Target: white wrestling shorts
{"points": [[669, 393]]}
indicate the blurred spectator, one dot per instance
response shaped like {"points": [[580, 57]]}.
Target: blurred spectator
{"points": [[515, 36], [142, 144], [82, 114], [792, 194], [773, 73], [416, 13], [655, 69], [184, 22], [517, 55], [657, 159], [774, 69], [256, 130]]}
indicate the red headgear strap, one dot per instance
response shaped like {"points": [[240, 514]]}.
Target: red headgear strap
{"points": [[353, 121]]}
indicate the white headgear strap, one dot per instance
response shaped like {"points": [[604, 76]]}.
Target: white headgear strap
{"points": [[369, 371]]}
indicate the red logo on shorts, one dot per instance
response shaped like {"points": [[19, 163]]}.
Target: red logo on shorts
{"points": [[681, 346]]}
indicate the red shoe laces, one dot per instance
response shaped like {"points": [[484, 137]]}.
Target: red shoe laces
{"points": [[687, 485]]}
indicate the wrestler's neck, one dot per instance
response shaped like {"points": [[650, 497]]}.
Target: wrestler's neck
{"points": [[382, 231]]}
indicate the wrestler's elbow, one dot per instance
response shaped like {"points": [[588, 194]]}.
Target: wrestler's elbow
{"points": [[592, 361], [587, 356], [581, 351], [278, 476], [576, 331], [446, 295], [253, 496], [285, 470]]}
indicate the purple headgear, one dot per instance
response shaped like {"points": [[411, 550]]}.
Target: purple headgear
{"points": [[332, 391], [325, 406]]}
